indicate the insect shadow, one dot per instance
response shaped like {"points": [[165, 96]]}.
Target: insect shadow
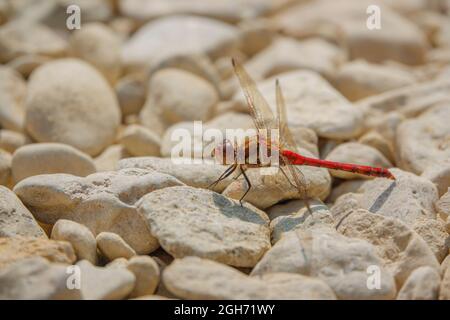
{"points": [[382, 198], [233, 209]]}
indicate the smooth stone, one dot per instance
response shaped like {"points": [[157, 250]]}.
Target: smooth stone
{"points": [[10, 140], [103, 201], [45, 158], [112, 246], [15, 218], [376, 140], [108, 160], [422, 284], [189, 221], [443, 205], [131, 92], [5, 168], [439, 174], [140, 141], [434, 232], [196, 278], [13, 90], [81, 238]]}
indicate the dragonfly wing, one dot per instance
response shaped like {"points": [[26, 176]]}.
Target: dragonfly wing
{"points": [[286, 139], [260, 110]]}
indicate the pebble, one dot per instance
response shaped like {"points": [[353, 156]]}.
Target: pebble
{"points": [[80, 237], [206, 224], [5, 168], [98, 45], [12, 140], [340, 261], [45, 158], [140, 141], [196, 278], [15, 218], [356, 153], [88, 121], [17, 248], [443, 205], [422, 284], [376, 140], [444, 292], [13, 90], [131, 92], [110, 157], [439, 174], [112, 246], [109, 196]]}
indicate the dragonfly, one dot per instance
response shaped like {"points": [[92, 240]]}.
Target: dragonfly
{"points": [[285, 147]]}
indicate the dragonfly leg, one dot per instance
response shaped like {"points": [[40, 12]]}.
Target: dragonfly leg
{"points": [[289, 180], [224, 175], [249, 185]]}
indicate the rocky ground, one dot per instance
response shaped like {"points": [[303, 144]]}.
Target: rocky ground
{"points": [[88, 187]]}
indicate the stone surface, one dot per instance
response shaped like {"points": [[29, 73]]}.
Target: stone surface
{"points": [[112, 246], [444, 292], [343, 263], [357, 153], [434, 232], [376, 140], [312, 102], [401, 248], [81, 238], [439, 174], [100, 46], [45, 158], [140, 141], [18, 248], [189, 221], [15, 219], [196, 278], [88, 121], [109, 158], [5, 168], [424, 140], [13, 90], [443, 205], [131, 92], [422, 284], [11, 140], [109, 196], [105, 283], [36, 279]]}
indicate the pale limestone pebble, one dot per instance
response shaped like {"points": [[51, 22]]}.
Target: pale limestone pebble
{"points": [[346, 186], [36, 279], [256, 35], [103, 201], [289, 208], [359, 79], [439, 174], [176, 96], [45, 158], [15, 219], [5, 168], [18, 248], [298, 219], [196, 278], [112, 246], [165, 37], [356, 153], [385, 124], [98, 45], [400, 247], [439, 56], [339, 261], [152, 297], [140, 141], [12, 140], [13, 90], [122, 26], [100, 283], [443, 205], [444, 292], [434, 232], [347, 22], [181, 140], [131, 92], [344, 205], [226, 10], [110, 157], [376, 140], [312, 102], [88, 121], [425, 140], [408, 198], [410, 100], [81, 238], [287, 54], [27, 63], [422, 284], [200, 175], [270, 186], [189, 221], [34, 38]]}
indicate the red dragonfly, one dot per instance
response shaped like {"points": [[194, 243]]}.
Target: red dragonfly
{"points": [[265, 122]]}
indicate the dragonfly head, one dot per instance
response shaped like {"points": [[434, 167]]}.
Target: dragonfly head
{"points": [[223, 153]]}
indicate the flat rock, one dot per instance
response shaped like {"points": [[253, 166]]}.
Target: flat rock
{"points": [[15, 219], [312, 102], [401, 248], [110, 197], [342, 262], [18, 248], [43, 158], [356, 153], [196, 278], [88, 121], [424, 141], [112, 246], [36, 279], [422, 284], [13, 90], [189, 221], [81, 238]]}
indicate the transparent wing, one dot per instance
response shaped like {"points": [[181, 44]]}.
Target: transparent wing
{"points": [[261, 113], [286, 139]]}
